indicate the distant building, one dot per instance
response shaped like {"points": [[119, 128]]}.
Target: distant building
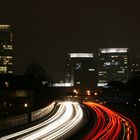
{"points": [[134, 65], [81, 71], [112, 65], [6, 49]]}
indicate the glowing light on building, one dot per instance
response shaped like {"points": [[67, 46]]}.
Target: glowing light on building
{"points": [[114, 50], [25, 105], [91, 69], [113, 65], [62, 85], [88, 92], [4, 26], [81, 55], [101, 84]]}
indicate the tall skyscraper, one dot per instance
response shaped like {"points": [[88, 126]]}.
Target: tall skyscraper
{"points": [[6, 49], [112, 65], [82, 71]]}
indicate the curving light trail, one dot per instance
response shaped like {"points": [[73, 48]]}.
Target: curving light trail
{"points": [[66, 119], [110, 125]]}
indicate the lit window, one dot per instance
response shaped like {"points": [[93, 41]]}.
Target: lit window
{"points": [[81, 55], [101, 74], [107, 63], [2, 26], [102, 81], [121, 72], [3, 69], [7, 47], [91, 69], [78, 66], [78, 83], [10, 71], [114, 50], [114, 56], [102, 71], [101, 84]]}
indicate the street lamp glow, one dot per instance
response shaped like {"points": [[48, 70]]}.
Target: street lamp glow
{"points": [[88, 92], [95, 93], [75, 91], [25, 105]]}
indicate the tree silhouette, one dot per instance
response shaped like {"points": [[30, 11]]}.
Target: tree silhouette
{"points": [[36, 71]]}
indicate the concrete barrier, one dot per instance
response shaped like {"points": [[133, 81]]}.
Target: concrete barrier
{"points": [[42, 112], [15, 121]]}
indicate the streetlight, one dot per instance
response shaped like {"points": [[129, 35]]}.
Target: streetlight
{"points": [[75, 91], [95, 93], [25, 105], [88, 92], [6, 84]]}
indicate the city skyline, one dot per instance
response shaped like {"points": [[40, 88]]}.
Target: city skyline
{"points": [[70, 69], [45, 32]]}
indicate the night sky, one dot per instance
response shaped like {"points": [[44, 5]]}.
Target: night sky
{"points": [[46, 31]]}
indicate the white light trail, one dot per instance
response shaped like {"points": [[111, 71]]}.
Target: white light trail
{"points": [[68, 116]]}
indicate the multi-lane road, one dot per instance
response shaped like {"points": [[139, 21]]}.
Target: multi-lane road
{"points": [[70, 118], [63, 123], [110, 125]]}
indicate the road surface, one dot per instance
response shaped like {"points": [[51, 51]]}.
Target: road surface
{"points": [[63, 123], [110, 125]]}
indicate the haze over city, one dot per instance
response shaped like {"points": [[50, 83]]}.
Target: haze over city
{"points": [[69, 69], [48, 30]]}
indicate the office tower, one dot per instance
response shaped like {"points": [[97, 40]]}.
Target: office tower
{"points": [[6, 49], [82, 71], [112, 65]]}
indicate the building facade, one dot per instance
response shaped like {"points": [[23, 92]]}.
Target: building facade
{"points": [[134, 65], [112, 65], [6, 49], [81, 71]]}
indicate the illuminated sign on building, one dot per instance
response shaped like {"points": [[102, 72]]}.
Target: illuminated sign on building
{"points": [[81, 55], [62, 85], [4, 26], [114, 50]]}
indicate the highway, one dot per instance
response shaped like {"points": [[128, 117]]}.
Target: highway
{"points": [[87, 121], [110, 125], [63, 123]]}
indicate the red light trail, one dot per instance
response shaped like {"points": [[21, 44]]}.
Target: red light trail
{"points": [[110, 125]]}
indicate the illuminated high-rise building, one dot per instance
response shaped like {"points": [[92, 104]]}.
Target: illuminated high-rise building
{"points": [[6, 49], [112, 65], [82, 71]]}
